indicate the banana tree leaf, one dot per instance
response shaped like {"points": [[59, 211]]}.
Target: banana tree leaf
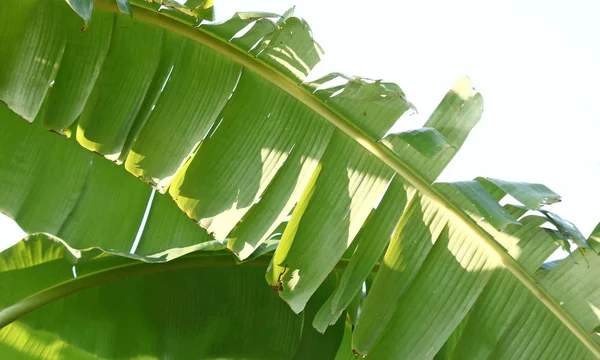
{"points": [[343, 175], [567, 229], [488, 207], [533, 196], [50, 184], [344, 352], [197, 306], [455, 116], [489, 319]]}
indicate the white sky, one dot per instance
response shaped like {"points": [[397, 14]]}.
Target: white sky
{"points": [[535, 62]]}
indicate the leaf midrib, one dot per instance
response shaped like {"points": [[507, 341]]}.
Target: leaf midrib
{"points": [[377, 149], [117, 273], [135, 267]]}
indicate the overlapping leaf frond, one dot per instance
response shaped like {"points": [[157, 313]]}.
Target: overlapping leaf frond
{"points": [[220, 119], [169, 304]]}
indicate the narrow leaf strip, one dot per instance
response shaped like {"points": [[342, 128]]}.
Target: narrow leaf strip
{"points": [[427, 141], [485, 203], [533, 196], [566, 228]]}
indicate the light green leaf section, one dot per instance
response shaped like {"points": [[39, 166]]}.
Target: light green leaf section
{"points": [[455, 116], [33, 42], [533, 196], [490, 320], [50, 184], [372, 241], [286, 188], [291, 49], [83, 8], [412, 241], [102, 128], [348, 186], [81, 63], [327, 225], [198, 306], [185, 104], [484, 202], [427, 141], [34, 167], [594, 239]]}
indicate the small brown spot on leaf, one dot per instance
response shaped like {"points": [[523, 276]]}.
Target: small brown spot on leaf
{"points": [[61, 133], [356, 353]]}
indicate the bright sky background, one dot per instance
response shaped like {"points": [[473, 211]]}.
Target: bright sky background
{"points": [[535, 62]]}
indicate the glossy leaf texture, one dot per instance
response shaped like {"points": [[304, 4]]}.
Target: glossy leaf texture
{"points": [[220, 117]]}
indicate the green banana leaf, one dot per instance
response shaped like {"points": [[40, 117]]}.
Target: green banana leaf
{"points": [[220, 118], [199, 305]]}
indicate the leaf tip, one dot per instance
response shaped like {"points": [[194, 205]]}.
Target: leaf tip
{"points": [[125, 7], [463, 87]]}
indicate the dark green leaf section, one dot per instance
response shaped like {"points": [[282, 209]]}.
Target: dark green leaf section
{"points": [[194, 10], [50, 184], [33, 43], [102, 128], [460, 333], [348, 185], [314, 344], [594, 239], [371, 243], [81, 63], [256, 145], [488, 206], [567, 229], [182, 102], [125, 7], [575, 284], [493, 329], [197, 306], [458, 112]]}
